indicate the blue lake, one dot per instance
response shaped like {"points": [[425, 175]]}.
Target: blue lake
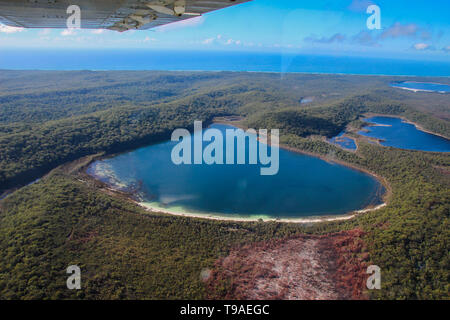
{"points": [[399, 134], [344, 142], [304, 185], [422, 86]]}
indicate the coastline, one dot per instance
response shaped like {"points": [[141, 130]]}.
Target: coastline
{"points": [[421, 90]]}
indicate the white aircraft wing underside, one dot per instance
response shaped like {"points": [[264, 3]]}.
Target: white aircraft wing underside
{"points": [[120, 15]]}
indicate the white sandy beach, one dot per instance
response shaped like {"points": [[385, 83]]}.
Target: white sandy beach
{"points": [[348, 216]]}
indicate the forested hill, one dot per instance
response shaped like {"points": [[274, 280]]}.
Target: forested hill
{"points": [[49, 118]]}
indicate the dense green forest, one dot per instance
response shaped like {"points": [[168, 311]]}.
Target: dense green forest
{"points": [[43, 129], [50, 118]]}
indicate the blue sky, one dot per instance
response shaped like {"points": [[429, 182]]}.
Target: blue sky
{"points": [[418, 29]]}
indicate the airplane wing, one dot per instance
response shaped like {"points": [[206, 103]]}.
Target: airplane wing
{"points": [[119, 15]]}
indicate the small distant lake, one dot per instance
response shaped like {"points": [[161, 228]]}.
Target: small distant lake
{"points": [[399, 134], [422, 86], [344, 142], [306, 100], [304, 186]]}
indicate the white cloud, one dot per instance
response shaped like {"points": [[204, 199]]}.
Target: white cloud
{"points": [[148, 39], [44, 32], [217, 40], [400, 30], [8, 29], [208, 41], [231, 41], [446, 49], [422, 46], [68, 32], [98, 31]]}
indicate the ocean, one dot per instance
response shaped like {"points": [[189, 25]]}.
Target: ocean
{"points": [[40, 59]]}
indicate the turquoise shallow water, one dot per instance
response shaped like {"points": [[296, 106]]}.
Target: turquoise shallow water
{"points": [[399, 134], [304, 185]]}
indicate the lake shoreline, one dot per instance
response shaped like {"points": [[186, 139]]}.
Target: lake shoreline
{"points": [[379, 178], [418, 126], [307, 219], [131, 197], [345, 135]]}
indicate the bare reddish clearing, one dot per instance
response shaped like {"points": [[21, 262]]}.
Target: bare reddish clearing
{"points": [[303, 267]]}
